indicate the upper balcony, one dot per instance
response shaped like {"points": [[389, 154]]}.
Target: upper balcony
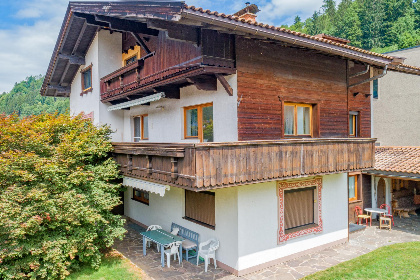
{"points": [[168, 65], [215, 165]]}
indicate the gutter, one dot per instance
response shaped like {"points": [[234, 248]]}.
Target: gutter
{"points": [[384, 72]]}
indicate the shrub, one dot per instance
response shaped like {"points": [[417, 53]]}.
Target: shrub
{"points": [[57, 189]]}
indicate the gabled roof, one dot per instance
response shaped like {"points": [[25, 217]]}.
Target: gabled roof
{"points": [[398, 160], [84, 19]]}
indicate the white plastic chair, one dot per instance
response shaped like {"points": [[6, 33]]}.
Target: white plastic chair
{"points": [[173, 250], [175, 231], [207, 250], [148, 241]]}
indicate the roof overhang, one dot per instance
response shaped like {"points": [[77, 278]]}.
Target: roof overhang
{"points": [[84, 19], [391, 174]]}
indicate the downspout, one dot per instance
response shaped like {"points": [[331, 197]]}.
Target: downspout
{"points": [[371, 79], [361, 73]]}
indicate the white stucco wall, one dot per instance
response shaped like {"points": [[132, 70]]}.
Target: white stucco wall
{"points": [[247, 220], [171, 208], [166, 116], [258, 222], [396, 112], [105, 56]]}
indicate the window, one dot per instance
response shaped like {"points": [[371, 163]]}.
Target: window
{"points": [[375, 93], [199, 122], [353, 187], [141, 196], [300, 208], [353, 124], [141, 128], [200, 208], [297, 119], [131, 60], [131, 55], [87, 79]]}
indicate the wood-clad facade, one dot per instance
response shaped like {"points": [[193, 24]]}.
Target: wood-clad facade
{"points": [[270, 75]]}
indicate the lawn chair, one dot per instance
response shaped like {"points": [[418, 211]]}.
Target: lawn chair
{"points": [[360, 215], [173, 250], [389, 215], [207, 250]]}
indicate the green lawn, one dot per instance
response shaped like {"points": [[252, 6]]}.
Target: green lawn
{"points": [[397, 261], [113, 267]]}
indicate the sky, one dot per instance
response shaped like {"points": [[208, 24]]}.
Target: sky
{"points": [[29, 29]]}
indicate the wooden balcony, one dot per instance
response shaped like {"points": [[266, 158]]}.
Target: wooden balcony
{"points": [[141, 78], [216, 165]]}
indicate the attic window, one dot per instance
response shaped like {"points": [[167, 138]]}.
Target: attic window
{"points": [[87, 79]]}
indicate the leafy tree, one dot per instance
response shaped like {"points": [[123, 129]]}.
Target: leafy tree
{"points": [[57, 189], [348, 23], [24, 99]]}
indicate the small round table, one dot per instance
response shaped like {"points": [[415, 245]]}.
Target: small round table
{"points": [[376, 211]]}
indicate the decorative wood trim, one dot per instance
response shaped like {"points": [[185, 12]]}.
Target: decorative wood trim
{"points": [[283, 185]]}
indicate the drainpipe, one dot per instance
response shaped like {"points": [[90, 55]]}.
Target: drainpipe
{"points": [[371, 79]]}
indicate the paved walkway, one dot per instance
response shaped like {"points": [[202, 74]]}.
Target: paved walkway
{"points": [[361, 242]]}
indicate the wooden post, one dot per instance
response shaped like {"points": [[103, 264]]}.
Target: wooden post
{"points": [[174, 168], [149, 164]]}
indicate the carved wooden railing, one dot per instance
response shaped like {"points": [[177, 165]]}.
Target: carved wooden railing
{"points": [[214, 165]]}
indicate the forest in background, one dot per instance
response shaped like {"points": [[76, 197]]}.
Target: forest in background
{"points": [[25, 99], [377, 25]]}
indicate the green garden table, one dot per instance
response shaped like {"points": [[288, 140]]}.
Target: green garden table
{"points": [[162, 238]]}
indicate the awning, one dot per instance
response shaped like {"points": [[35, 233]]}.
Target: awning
{"points": [[135, 102], [145, 185]]}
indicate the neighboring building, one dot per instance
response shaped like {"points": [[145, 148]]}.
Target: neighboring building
{"points": [[288, 114], [395, 179], [396, 105]]}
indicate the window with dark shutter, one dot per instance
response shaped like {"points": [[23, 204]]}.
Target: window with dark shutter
{"points": [[299, 208], [200, 208]]}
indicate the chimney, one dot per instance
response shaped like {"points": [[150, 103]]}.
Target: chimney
{"points": [[248, 13]]}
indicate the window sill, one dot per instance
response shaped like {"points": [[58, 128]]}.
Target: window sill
{"points": [[86, 91], [140, 201], [200, 223], [288, 231], [355, 201]]}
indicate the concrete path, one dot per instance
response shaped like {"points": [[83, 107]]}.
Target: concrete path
{"points": [[361, 242]]}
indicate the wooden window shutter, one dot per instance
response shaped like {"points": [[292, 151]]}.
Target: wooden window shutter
{"points": [[298, 207], [200, 207]]}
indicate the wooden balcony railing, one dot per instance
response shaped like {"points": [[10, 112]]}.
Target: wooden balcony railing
{"points": [[214, 165], [145, 75]]}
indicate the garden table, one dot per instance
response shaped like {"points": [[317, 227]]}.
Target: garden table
{"points": [[377, 211], [162, 238]]}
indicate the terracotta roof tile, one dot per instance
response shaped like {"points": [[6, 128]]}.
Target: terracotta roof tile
{"points": [[398, 159]]}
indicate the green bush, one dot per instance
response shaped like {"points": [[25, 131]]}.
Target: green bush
{"points": [[57, 187]]}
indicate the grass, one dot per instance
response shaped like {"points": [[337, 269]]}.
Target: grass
{"points": [[113, 267], [397, 261]]}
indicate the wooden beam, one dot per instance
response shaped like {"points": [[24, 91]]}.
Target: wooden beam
{"points": [[60, 89], [141, 42], [90, 19], [126, 25], [225, 84], [177, 31], [73, 59], [79, 39], [204, 82], [66, 69]]}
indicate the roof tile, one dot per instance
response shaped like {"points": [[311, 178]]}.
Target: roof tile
{"points": [[398, 159]]}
